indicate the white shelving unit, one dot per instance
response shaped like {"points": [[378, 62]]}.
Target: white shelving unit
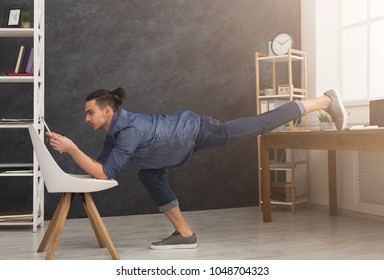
{"points": [[37, 34], [265, 102]]}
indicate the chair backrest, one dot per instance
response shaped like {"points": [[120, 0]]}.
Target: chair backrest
{"points": [[56, 180]]}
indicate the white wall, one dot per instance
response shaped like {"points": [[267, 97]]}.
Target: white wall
{"points": [[320, 39]]}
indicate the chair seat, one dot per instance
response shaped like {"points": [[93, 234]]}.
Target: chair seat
{"points": [[78, 183]]}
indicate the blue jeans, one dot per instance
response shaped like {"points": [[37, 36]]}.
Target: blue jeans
{"points": [[213, 133]]}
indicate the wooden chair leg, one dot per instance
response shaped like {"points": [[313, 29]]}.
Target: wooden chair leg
{"points": [[99, 226], [48, 233], [58, 227], [93, 224]]}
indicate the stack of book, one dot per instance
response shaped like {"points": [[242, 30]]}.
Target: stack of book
{"points": [[24, 63], [16, 217], [282, 191]]}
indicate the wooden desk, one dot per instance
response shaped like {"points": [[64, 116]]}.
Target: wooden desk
{"points": [[346, 140]]}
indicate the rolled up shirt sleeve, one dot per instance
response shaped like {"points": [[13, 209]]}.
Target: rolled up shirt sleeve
{"points": [[118, 154]]}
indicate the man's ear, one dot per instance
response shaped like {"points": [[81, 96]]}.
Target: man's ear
{"points": [[108, 111]]}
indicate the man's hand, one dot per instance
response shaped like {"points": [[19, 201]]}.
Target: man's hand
{"points": [[60, 143], [63, 144]]}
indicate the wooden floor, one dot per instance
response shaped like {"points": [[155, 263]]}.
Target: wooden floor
{"points": [[237, 233]]}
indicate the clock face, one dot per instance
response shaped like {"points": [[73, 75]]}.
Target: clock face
{"points": [[281, 44]]}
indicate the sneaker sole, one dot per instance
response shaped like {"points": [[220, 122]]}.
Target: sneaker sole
{"points": [[344, 112], [174, 246]]}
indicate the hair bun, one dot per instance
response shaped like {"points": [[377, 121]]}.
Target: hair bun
{"points": [[119, 95]]}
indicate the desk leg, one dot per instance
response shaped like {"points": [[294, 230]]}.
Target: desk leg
{"points": [[265, 181], [332, 181]]}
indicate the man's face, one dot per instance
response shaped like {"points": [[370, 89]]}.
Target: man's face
{"points": [[94, 115]]}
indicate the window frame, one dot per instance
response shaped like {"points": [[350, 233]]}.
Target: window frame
{"points": [[343, 28]]}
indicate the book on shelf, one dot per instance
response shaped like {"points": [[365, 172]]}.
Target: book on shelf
{"points": [[32, 67], [287, 197], [15, 121], [282, 184], [282, 191], [16, 217], [16, 168], [19, 59], [23, 64], [282, 187], [17, 172], [279, 190], [283, 197], [25, 61], [29, 67]]}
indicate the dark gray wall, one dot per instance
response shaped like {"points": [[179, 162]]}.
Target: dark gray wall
{"points": [[169, 55]]}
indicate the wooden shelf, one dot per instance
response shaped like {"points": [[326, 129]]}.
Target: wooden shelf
{"points": [[285, 165], [282, 96], [277, 202], [280, 58]]}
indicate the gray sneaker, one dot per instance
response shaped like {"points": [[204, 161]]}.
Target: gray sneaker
{"points": [[175, 241], [336, 109]]}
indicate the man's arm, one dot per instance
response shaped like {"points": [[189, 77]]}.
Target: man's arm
{"points": [[65, 145]]}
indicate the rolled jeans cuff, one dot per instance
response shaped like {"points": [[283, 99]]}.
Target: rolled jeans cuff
{"points": [[169, 205], [301, 106]]}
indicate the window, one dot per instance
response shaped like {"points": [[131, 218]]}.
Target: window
{"points": [[362, 49]]}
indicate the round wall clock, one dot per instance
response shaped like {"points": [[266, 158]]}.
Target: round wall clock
{"points": [[281, 44]]}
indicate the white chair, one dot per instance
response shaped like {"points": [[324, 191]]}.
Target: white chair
{"points": [[57, 181]]}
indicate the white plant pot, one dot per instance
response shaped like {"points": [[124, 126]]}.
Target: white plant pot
{"points": [[268, 91], [327, 126]]}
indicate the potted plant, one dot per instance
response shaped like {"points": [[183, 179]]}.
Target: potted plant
{"points": [[268, 90], [25, 19], [325, 119]]}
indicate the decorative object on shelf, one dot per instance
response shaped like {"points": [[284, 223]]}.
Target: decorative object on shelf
{"points": [[13, 14], [283, 89], [281, 44], [25, 19], [268, 88], [325, 119]]}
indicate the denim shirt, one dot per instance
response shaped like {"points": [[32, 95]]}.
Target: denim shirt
{"points": [[148, 141]]}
